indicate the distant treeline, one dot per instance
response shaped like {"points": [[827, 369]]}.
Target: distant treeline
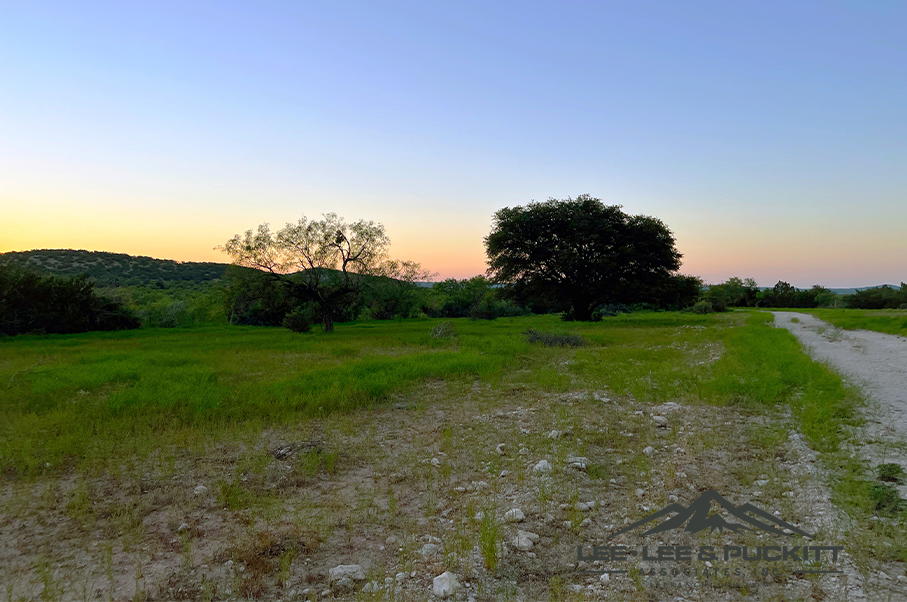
{"points": [[115, 269], [32, 303], [745, 293]]}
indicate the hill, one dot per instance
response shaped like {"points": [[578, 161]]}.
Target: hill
{"points": [[114, 269]]}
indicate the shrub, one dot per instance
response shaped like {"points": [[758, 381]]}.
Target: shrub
{"points": [[890, 472], [443, 330], [702, 307], [554, 339], [481, 311], [300, 319]]}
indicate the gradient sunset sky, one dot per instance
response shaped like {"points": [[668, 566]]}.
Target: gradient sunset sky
{"points": [[770, 136]]}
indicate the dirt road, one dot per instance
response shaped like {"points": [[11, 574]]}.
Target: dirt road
{"points": [[874, 361]]}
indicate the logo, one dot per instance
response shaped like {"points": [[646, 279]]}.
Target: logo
{"points": [[699, 519], [740, 561]]}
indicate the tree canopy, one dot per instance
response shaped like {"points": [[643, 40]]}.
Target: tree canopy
{"points": [[582, 252], [325, 262]]}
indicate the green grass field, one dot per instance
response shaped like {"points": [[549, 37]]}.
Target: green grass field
{"points": [[890, 321], [95, 397]]}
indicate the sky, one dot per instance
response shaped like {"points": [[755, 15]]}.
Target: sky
{"points": [[771, 137]]}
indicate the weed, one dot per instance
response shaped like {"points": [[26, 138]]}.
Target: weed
{"points": [[892, 473], [489, 538], [554, 339]]}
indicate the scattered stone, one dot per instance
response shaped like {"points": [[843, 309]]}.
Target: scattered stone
{"points": [[524, 540], [649, 451], [660, 421], [524, 451], [762, 482], [430, 549], [460, 489], [326, 593], [672, 498], [543, 466], [586, 522], [399, 577], [554, 434], [349, 571], [435, 462], [500, 449], [584, 507], [228, 564], [503, 474], [372, 586], [605, 578], [183, 527], [391, 541], [578, 462], [430, 539], [445, 585], [514, 516], [201, 490], [640, 493]]}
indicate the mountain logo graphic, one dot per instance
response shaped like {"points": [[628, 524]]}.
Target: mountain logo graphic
{"points": [[699, 519]]}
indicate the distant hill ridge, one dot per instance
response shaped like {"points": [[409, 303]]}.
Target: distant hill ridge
{"points": [[114, 269]]}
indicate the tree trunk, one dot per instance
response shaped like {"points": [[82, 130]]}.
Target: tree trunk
{"points": [[328, 319]]}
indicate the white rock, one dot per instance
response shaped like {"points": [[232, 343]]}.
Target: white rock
{"points": [[500, 449], [554, 434], [435, 462], [514, 516], [503, 474], [524, 451], [524, 540], [445, 585], [183, 527], [660, 421], [350, 571], [399, 577], [479, 485], [649, 451], [372, 586], [430, 549], [578, 462], [391, 541], [640, 492], [542, 466], [761, 482], [201, 490], [582, 507]]}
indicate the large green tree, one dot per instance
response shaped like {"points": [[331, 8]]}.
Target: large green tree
{"points": [[581, 251]]}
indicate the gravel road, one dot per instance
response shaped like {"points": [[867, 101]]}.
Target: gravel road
{"points": [[874, 361]]}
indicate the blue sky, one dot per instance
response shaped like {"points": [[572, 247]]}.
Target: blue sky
{"points": [[769, 136]]}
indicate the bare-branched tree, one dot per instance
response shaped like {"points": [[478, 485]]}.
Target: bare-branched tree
{"points": [[325, 261]]}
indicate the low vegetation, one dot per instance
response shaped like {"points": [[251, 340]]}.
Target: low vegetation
{"points": [[225, 461]]}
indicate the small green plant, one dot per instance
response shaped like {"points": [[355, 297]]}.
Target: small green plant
{"points": [[795, 320], [554, 339], [489, 535], [887, 500], [893, 473]]}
